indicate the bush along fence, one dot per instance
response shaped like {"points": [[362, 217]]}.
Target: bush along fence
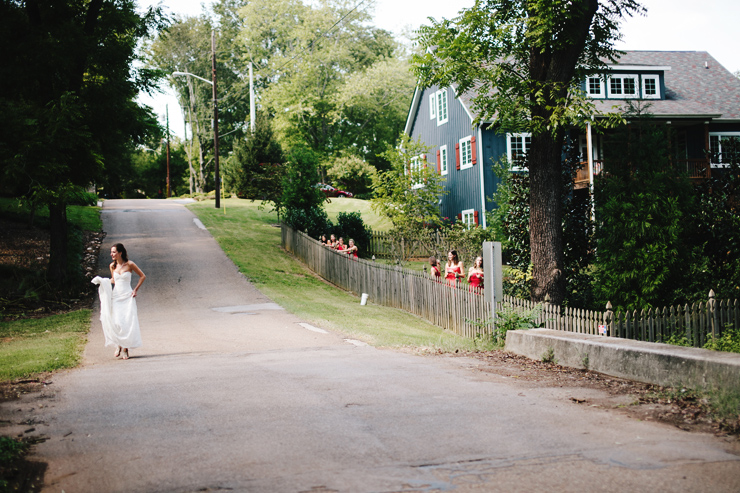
{"points": [[464, 311], [450, 307]]}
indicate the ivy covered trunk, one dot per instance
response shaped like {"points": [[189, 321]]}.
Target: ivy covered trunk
{"points": [[545, 220]]}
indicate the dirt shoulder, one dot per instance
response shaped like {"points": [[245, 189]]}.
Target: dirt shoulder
{"points": [[679, 407]]}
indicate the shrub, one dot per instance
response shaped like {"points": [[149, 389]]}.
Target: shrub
{"points": [[312, 221], [350, 225]]}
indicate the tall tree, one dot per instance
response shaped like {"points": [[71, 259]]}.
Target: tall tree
{"points": [[67, 96], [303, 55], [255, 168], [526, 60]]}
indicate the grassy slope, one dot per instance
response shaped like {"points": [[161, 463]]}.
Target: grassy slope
{"points": [[43, 344], [337, 205], [246, 235], [31, 346]]}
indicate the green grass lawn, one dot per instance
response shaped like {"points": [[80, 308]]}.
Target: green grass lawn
{"points": [[87, 218], [369, 217], [248, 237], [38, 345]]}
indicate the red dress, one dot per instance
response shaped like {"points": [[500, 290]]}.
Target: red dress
{"points": [[476, 280], [451, 275], [436, 273]]}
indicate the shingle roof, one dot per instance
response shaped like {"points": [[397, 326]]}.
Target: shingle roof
{"points": [[691, 89]]}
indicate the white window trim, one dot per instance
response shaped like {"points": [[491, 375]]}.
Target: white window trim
{"points": [[463, 164], [602, 95], [509, 150], [634, 77], [645, 95], [444, 160], [720, 135], [417, 162], [441, 97], [433, 106], [468, 218]]}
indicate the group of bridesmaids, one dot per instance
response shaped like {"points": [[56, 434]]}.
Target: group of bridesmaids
{"points": [[454, 270], [339, 245]]}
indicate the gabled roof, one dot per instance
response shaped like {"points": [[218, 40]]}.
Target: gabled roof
{"points": [[696, 85]]}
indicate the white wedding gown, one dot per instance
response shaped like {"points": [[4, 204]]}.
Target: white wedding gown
{"points": [[118, 314]]}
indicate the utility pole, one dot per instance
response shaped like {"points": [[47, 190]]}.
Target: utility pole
{"points": [[215, 121], [167, 112], [252, 110]]}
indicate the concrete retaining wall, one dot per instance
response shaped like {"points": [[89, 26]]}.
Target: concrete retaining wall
{"points": [[648, 362]]}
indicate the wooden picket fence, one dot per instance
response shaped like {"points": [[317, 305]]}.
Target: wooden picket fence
{"points": [[464, 311]]}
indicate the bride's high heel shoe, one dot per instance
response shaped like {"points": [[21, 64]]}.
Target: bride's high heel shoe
{"points": [[117, 353], [125, 353]]}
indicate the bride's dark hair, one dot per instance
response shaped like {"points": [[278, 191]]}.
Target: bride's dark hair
{"points": [[122, 250]]}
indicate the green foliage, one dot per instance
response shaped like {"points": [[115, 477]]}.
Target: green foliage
{"points": [[310, 221], [517, 283], [714, 241], [350, 225], [408, 193], [729, 341], [331, 79], [468, 242], [299, 181], [643, 207], [506, 319], [523, 62], [509, 318], [11, 450], [254, 170], [549, 356], [68, 93], [510, 220], [352, 173]]}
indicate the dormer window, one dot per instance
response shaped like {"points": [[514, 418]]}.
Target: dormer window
{"points": [[623, 86], [595, 87], [650, 87]]}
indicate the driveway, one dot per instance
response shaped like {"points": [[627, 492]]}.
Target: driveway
{"points": [[230, 392]]}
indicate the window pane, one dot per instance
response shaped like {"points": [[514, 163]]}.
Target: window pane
{"points": [[594, 85], [629, 86], [615, 86], [651, 88]]}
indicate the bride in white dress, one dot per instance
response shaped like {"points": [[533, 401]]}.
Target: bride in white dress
{"points": [[118, 313]]}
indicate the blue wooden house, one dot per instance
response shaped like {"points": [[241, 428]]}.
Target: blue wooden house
{"points": [[689, 90]]}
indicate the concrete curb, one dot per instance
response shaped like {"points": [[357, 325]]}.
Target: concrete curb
{"points": [[648, 362]]}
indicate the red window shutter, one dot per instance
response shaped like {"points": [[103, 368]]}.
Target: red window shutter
{"points": [[457, 155], [475, 214], [459, 217], [473, 150], [439, 162]]}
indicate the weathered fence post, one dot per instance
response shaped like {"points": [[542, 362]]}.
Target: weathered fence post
{"points": [[712, 315], [609, 319]]}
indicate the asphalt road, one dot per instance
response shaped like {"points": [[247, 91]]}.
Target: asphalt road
{"points": [[230, 392]]}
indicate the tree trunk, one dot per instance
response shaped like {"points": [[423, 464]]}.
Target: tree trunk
{"points": [[57, 271], [546, 217]]}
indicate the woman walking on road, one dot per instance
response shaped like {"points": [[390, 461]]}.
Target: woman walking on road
{"points": [[118, 313]]}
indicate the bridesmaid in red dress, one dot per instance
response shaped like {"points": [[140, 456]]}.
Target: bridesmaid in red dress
{"points": [[475, 274], [352, 249], [434, 270], [453, 268]]}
